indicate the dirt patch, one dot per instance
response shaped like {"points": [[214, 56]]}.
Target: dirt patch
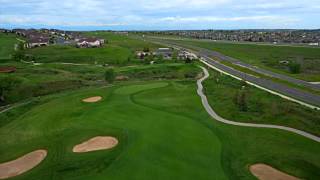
{"points": [[7, 69], [92, 99], [96, 144], [122, 78], [22, 164], [265, 172]]}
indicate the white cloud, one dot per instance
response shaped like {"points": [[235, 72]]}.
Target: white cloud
{"points": [[157, 12]]}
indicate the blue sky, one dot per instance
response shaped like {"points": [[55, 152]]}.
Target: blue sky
{"points": [[160, 14]]}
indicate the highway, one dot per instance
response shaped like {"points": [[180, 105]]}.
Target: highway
{"points": [[296, 95], [222, 57], [218, 55]]}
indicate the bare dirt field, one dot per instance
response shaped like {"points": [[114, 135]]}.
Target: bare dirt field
{"points": [[265, 172], [22, 164], [92, 99], [95, 144]]}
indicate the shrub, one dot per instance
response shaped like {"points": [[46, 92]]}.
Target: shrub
{"points": [[146, 49], [240, 99], [109, 75], [7, 84], [294, 68]]}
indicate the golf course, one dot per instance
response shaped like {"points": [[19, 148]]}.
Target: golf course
{"points": [[163, 132], [70, 121]]}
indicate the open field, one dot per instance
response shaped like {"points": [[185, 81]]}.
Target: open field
{"points": [[163, 132], [7, 43], [118, 50], [268, 57]]}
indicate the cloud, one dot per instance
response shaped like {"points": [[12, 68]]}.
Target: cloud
{"points": [[160, 13]]}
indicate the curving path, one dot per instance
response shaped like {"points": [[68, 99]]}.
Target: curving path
{"points": [[214, 115]]}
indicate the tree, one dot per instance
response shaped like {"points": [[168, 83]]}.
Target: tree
{"points": [[19, 54], [20, 46], [188, 60], [6, 85], [240, 99], [148, 59], [146, 49], [175, 56], [294, 68], [109, 75], [160, 58]]}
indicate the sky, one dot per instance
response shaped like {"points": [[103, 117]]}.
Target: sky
{"points": [[160, 14]]}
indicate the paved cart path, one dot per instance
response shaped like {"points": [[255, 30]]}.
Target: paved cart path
{"points": [[214, 115]]}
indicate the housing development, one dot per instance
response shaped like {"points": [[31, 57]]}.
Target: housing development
{"points": [[311, 37], [168, 90]]}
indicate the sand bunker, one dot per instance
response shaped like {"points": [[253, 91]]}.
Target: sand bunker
{"points": [[92, 99], [265, 172], [95, 144], [22, 164]]}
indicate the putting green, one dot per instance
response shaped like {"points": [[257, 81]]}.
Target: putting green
{"points": [[153, 143], [127, 90], [163, 133]]}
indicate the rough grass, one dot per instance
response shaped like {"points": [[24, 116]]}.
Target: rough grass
{"points": [[119, 50], [7, 43], [263, 107], [51, 78]]}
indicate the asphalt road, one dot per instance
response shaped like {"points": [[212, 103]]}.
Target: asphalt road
{"points": [[214, 54], [218, 55], [297, 94], [214, 115]]}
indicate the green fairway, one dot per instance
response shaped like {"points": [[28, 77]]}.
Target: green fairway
{"points": [[7, 42], [268, 57], [153, 143], [163, 132]]}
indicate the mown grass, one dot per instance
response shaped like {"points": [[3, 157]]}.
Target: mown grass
{"points": [[164, 133], [153, 143], [263, 107], [241, 147]]}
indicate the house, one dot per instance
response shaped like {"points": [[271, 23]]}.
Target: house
{"points": [[187, 55], [37, 42], [5, 30], [20, 32], [166, 53], [35, 35], [90, 42]]}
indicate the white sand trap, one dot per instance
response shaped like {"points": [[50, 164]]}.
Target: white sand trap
{"points": [[92, 99], [265, 172], [22, 164], [96, 144]]}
